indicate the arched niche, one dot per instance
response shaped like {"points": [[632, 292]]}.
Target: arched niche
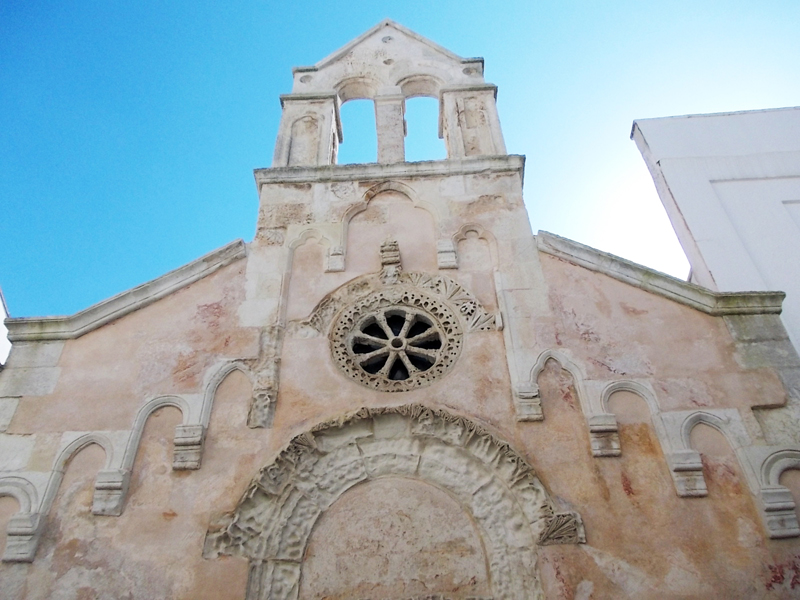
{"points": [[19, 521], [304, 141], [484, 475], [155, 449], [477, 249], [391, 213]]}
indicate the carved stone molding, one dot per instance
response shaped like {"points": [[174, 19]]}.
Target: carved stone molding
{"points": [[274, 519], [262, 408], [604, 435], [267, 372], [527, 402], [22, 539], [446, 255], [188, 450], [110, 489], [473, 315]]}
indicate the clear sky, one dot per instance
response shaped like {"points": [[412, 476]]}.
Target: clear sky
{"points": [[129, 130]]}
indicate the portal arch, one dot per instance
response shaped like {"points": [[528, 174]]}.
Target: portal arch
{"points": [[495, 485]]}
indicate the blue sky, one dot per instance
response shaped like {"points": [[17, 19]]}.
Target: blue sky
{"points": [[129, 130]]}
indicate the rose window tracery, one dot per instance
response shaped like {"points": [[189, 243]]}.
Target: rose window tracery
{"points": [[396, 340]]}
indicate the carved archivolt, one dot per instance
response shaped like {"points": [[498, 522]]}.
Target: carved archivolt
{"points": [[274, 519], [473, 316]]}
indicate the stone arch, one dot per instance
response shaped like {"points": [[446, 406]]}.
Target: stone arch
{"points": [[627, 385], [482, 233], [495, 485], [528, 400], [778, 503], [141, 419], [22, 533], [79, 444], [713, 421], [566, 363], [776, 463], [308, 257], [215, 379], [413, 86], [357, 88], [387, 186], [304, 141], [685, 462], [22, 490]]}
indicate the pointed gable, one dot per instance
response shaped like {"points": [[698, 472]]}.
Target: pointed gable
{"points": [[387, 57]]}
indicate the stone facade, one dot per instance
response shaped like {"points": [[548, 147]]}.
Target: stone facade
{"points": [[397, 391]]}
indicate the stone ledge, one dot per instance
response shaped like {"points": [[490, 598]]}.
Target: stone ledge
{"points": [[381, 172], [25, 329], [650, 280]]}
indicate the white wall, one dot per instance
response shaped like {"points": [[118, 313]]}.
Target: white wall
{"points": [[731, 186]]}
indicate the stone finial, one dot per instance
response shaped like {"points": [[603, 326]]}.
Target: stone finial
{"points": [[391, 266], [390, 253]]}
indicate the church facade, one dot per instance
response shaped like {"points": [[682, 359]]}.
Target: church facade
{"points": [[397, 391]]}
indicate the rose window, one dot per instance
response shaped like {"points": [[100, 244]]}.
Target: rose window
{"points": [[396, 344]]}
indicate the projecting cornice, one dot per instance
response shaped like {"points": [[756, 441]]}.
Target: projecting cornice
{"points": [[381, 172], [28, 329], [650, 280]]}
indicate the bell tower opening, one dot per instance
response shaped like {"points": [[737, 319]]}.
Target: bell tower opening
{"points": [[360, 139]]}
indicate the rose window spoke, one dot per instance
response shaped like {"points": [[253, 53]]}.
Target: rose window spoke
{"points": [[396, 342]]}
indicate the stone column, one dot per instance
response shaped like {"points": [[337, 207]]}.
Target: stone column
{"points": [[470, 124], [310, 130], [391, 126]]}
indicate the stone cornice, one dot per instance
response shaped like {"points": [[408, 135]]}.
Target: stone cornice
{"points": [[403, 170], [28, 329], [650, 280]]}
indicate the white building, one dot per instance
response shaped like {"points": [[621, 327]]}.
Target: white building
{"points": [[731, 186]]}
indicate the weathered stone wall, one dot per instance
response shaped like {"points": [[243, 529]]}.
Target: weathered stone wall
{"points": [[397, 391]]}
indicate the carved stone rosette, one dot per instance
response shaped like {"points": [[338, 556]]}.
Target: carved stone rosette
{"points": [[396, 339]]}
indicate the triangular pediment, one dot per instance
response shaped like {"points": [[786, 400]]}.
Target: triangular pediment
{"points": [[388, 56], [387, 27]]}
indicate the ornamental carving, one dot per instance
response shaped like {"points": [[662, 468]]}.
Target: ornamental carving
{"points": [[274, 519], [396, 340], [473, 316]]}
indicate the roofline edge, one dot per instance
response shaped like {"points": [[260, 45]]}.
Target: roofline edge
{"points": [[656, 282], [34, 329]]}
